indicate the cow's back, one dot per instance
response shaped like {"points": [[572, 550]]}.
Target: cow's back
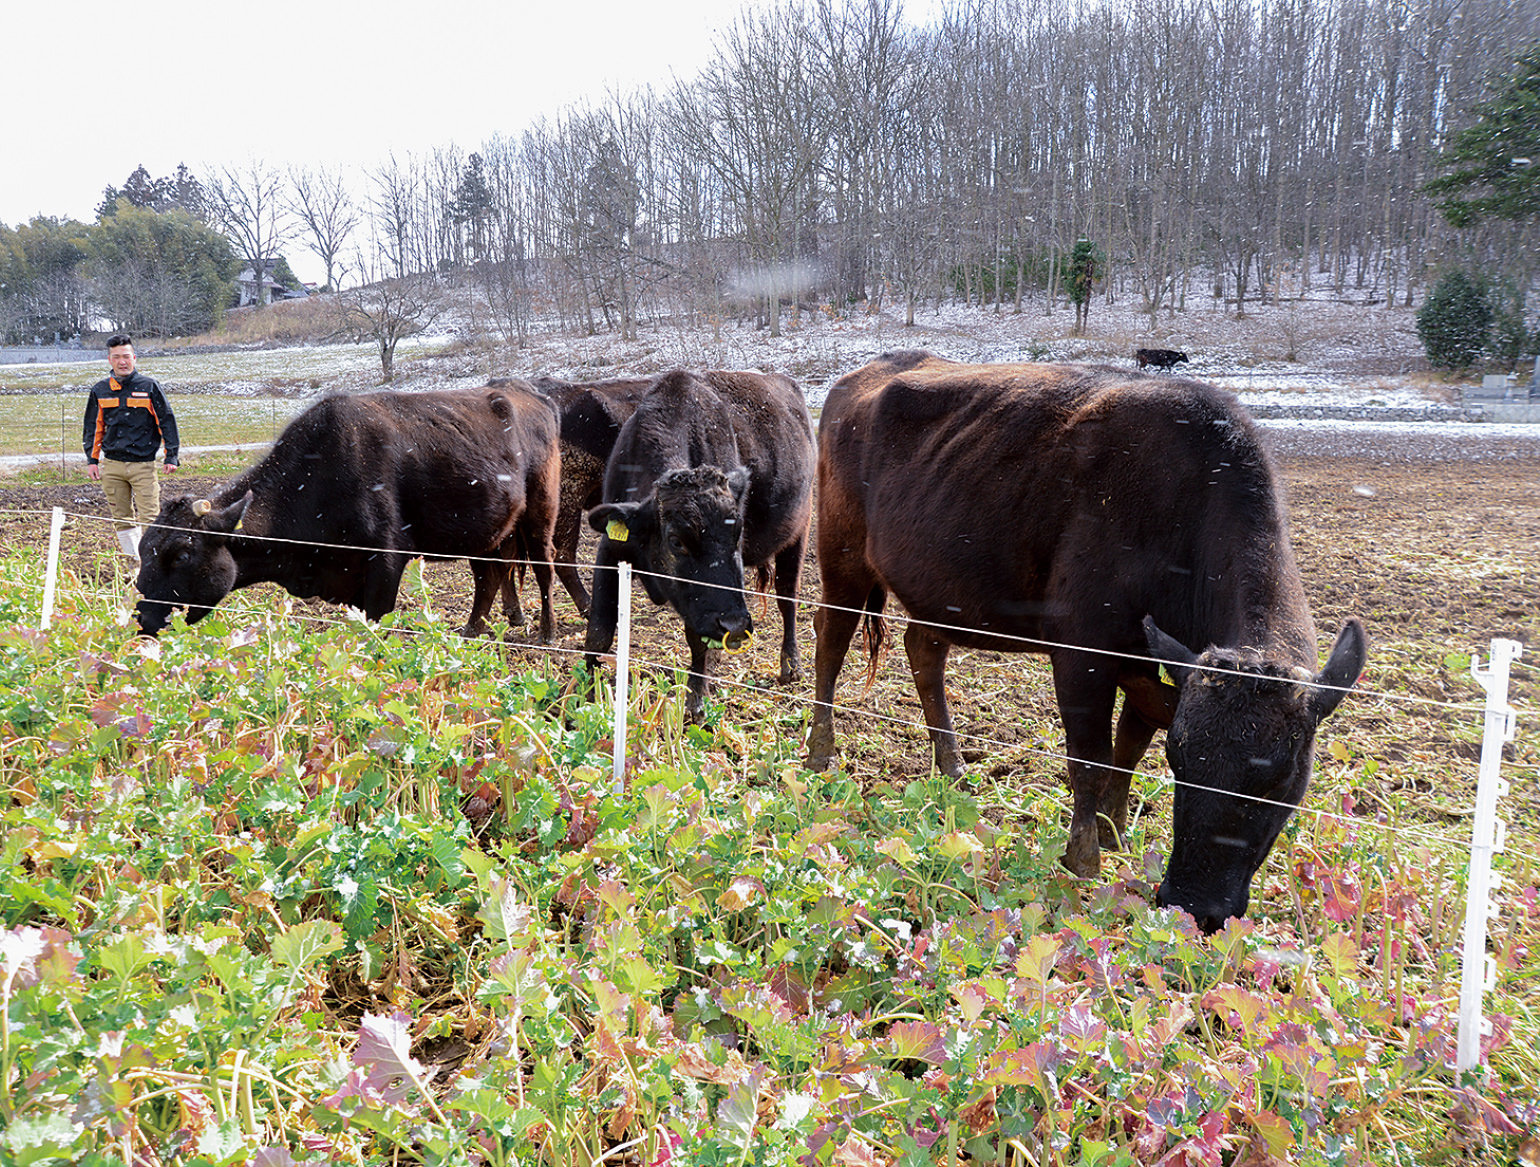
{"points": [[431, 473], [774, 433], [1052, 501]]}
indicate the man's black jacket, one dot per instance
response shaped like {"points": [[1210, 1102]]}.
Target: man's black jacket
{"points": [[127, 420]]}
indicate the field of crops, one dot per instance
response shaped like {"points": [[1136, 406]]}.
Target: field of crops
{"points": [[285, 887]]}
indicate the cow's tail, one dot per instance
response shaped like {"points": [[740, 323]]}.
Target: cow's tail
{"points": [[874, 631]]}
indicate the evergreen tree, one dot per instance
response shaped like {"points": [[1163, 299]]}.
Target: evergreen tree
{"points": [[284, 274], [41, 293], [179, 192], [473, 207], [1455, 321], [157, 274], [1495, 162], [1510, 338], [1085, 263]]}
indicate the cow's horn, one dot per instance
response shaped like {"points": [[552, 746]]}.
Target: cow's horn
{"points": [[202, 507]]}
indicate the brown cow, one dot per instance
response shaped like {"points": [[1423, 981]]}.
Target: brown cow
{"points": [[354, 489], [1104, 520], [714, 471], [1161, 358], [592, 413]]}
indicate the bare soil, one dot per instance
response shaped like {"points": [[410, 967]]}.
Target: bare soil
{"points": [[1436, 556]]}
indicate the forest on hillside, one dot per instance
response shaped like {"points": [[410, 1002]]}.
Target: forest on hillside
{"points": [[832, 154]]}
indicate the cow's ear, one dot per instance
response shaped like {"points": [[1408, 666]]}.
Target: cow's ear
{"points": [[1342, 670], [620, 522], [227, 519], [1175, 655], [738, 483]]}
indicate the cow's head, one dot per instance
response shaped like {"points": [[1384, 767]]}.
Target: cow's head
{"points": [[1241, 750], [185, 560], [688, 534]]}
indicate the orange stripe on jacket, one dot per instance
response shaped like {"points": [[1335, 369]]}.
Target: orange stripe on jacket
{"points": [[103, 404]]}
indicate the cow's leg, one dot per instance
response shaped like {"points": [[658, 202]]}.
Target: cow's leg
{"points": [[927, 661], [493, 577], [834, 624], [1086, 693], [1132, 739], [543, 574], [604, 604], [788, 582], [700, 681], [542, 511], [569, 529], [509, 578], [382, 583]]}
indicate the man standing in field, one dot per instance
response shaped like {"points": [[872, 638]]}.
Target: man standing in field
{"points": [[127, 421]]}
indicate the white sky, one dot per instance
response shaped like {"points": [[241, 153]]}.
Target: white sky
{"points": [[100, 88]]}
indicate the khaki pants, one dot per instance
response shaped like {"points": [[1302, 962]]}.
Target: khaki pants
{"points": [[132, 490]]}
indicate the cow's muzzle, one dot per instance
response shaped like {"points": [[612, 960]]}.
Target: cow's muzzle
{"points": [[152, 617]]}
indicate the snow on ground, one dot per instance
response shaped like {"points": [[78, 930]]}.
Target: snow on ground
{"points": [[1317, 357]]}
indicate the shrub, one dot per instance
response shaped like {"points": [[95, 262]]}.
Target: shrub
{"points": [[1455, 321], [1511, 337]]}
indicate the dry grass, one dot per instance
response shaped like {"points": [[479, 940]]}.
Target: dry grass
{"points": [[287, 322]]}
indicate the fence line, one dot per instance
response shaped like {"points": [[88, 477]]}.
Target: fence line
{"points": [[1478, 971], [1039, 647], [776, 693]]}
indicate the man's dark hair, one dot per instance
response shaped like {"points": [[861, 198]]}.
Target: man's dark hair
{"points": [[118, 339]]}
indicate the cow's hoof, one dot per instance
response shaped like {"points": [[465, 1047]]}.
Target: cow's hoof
{"points": [[951, 765], [1081, 865]]}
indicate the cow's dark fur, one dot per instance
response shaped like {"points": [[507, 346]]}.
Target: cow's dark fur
{"points": [[1161, 358], [591, 416], [713, 471], [1081, 512], [354, 489]]}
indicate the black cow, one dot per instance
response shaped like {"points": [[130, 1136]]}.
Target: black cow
{"points": [[1104, 520], [713, 471], [354, 489], [592, 413], [1161, 358]]}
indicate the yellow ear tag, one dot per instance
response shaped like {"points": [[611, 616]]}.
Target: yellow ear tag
{"points": [[617, 531]]}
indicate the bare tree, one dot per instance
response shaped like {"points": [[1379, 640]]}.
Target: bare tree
{"points": [[756, 119], [247, 203], [385, 311], [319, 199], [504, 273], [395, 207]]}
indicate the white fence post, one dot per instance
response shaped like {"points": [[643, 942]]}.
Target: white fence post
{"points": [[55, 530], [1477, 969], [622, 672]]}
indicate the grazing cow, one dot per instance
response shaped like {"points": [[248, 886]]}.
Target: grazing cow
{"points": [[591, 416], [354, 489], [713, 471], [1161, 358], [1103, 520]]}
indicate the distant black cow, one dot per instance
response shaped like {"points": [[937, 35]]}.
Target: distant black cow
{"points": [[1102, 520], [354, 489], [1161, 358], [592, 413], [713, 471]]}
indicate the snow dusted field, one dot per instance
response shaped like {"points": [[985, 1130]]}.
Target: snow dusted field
{"points": [[1341, 374]]}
